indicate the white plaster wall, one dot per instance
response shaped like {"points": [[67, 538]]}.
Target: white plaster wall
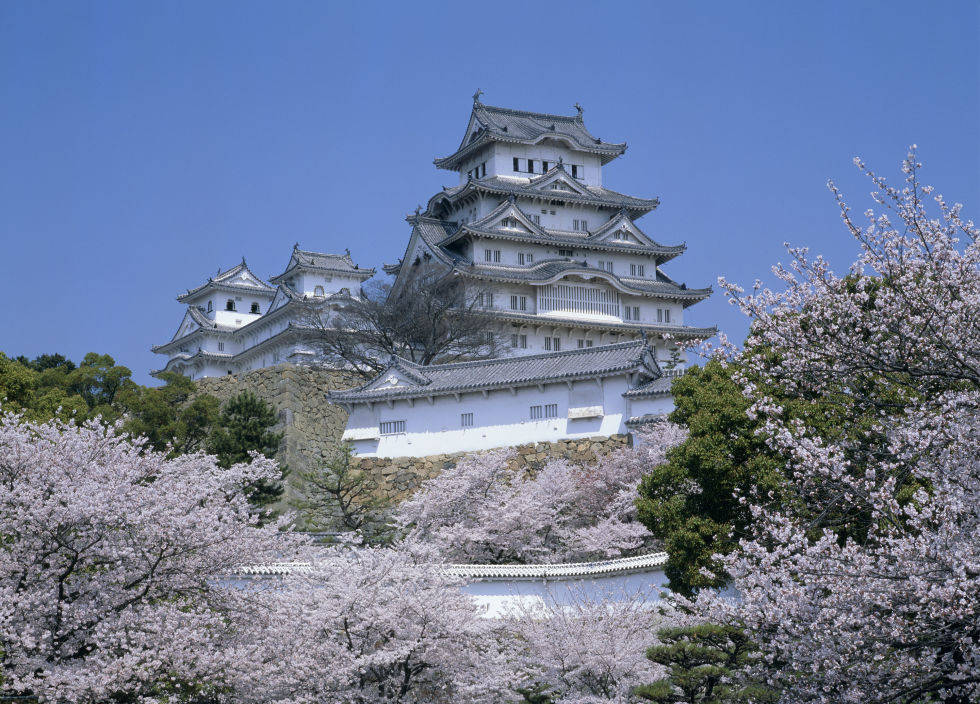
{"points": [[501, 160], [651, 406], [500, 597], [500, 419]]}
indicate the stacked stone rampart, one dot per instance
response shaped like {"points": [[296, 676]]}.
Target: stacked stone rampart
{"points": [[311, 426], [312, 429], [397, 477]]}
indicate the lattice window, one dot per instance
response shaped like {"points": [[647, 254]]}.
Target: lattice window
{"points": [[391, 427], [572, 298]]}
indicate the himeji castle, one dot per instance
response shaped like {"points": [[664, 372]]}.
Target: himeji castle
{"points": [[557, 258], [235, 321]]}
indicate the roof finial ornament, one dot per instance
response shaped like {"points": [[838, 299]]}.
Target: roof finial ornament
{"points": [[578, 107], [561, 161], [347, 250], [296, 246], [243, 260], [476, 96]]}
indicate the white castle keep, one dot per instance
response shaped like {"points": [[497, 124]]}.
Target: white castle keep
{"points": [[561, 258], [591, 325]]}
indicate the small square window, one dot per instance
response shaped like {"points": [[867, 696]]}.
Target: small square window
{"points": [[466, 420], [551, 410], [517, 164], [535, 412]]}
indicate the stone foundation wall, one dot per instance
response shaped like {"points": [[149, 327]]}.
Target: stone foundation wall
{"points": [[312, 427], [398, 477]]}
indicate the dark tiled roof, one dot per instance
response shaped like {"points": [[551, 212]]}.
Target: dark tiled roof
{"points": [[656, 387], [547, 269], [598, 196], [318, 261], [225, 281], [443, 379], [663, 252], [522, 127]]}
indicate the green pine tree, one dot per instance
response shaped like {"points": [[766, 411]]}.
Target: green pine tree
{"points": [[705, 665], [243, 427]]}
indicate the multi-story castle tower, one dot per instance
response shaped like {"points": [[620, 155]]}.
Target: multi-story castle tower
{"points": [[235, 321], [558, 259]]}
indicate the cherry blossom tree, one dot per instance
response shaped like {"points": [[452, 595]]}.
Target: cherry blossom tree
{"points": [[588, 650], [371, 625], [108, 558], [482, 510], [866, 586]]}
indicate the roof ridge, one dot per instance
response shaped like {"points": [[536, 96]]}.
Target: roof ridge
{"points": [[540, 355], [527, 113]]}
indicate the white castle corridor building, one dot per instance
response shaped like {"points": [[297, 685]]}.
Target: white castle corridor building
{"points": [[414, 411]]}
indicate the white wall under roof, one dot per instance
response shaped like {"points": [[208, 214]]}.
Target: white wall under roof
{"points": [[500, 419]]}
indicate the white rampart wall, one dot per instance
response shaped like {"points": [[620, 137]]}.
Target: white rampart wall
{"points": [[499, 597]]}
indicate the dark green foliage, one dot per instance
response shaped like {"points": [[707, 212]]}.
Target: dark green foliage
{"points": [[242, 428], [705, 665], [535, 694], [336, 495], [97, 380], [52, 386], [690, 501], [47, 361], [170, 415]]}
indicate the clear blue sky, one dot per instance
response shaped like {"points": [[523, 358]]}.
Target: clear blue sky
{"points": [[146, 144]]}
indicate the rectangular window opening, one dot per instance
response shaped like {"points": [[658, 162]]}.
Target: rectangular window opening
{"points": [[391, 427]]}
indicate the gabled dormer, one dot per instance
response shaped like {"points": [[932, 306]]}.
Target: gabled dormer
{"points": [[399, 374], [620, 229], [188, 325], [238, 279], [509, 218], [558, 179]]}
